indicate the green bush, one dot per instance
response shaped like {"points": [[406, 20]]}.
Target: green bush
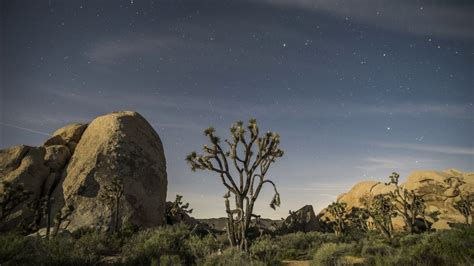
{"points": [[373, 249], [16, 249], [169, 260], [410, 239], [230, 257], [199, 248], [302, 245], [332, 254], [266, 250], [449, 247], [152, 244]]}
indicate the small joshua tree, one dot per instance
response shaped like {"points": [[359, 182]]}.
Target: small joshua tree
{"points": [[381, 210], [465, 205], [242, 169], [11, 197], [112, 196], [177, 209], [338, 211], [45, 207], [408, 204]]}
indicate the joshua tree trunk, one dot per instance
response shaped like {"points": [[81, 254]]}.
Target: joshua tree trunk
{"points": [[117, 214]]}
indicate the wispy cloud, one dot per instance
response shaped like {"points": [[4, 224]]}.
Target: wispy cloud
{"points": [[374, 164], [455, 150], [175, 111], [434, 18], [112, 51], [447, 110]]}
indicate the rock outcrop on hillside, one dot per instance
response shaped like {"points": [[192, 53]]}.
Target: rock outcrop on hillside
{"points": [[77, 165], [439, 195], [302, 220]]}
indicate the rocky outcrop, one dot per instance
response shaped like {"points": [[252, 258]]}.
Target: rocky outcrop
{"points": [[22, 166], [302, 220], [439, 195], [79, 162], [68, 136]]}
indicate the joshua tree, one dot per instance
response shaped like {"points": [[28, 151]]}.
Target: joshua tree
{"points": [[177, 208], [381, 210], [11, 197], [338, 210], [358, 219], [464, 206], [296, 221], [409, 204], [242, 170], [60, 217], [112, 196]]}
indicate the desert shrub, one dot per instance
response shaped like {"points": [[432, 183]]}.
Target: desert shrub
{"points": [[332, 254], [96, 244], [266, 250], [152, 244], [15, 249], [449, 247], [374, 253], [230, 257], [223, 240], [18, 249], [60, 251], [128, 230], [302, 245], [169, 260], [199, 248], [410, 239], [445, 247], [376, 249]]}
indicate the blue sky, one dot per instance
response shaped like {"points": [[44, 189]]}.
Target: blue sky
{"points": [[356, 89]]}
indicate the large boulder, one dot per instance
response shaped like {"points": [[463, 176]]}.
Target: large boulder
{"points": [[77, 165], [122, 146]]}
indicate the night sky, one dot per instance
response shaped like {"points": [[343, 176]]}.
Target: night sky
{"points": [[356, 89]]}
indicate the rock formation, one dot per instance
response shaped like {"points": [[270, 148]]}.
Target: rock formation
{"points": [[77, 164], [302, 220], [439, 195]]}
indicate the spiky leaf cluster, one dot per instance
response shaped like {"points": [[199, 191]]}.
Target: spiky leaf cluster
{"points": [[465, 206], [178, 208], [246, 152]]}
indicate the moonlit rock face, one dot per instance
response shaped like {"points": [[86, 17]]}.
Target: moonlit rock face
{"points": [[439, 195], [118, 145]]}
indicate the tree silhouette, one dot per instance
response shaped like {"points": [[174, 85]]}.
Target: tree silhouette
{"points": [[242, 170], [338, 210], [112, 195], [408, 203]]}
